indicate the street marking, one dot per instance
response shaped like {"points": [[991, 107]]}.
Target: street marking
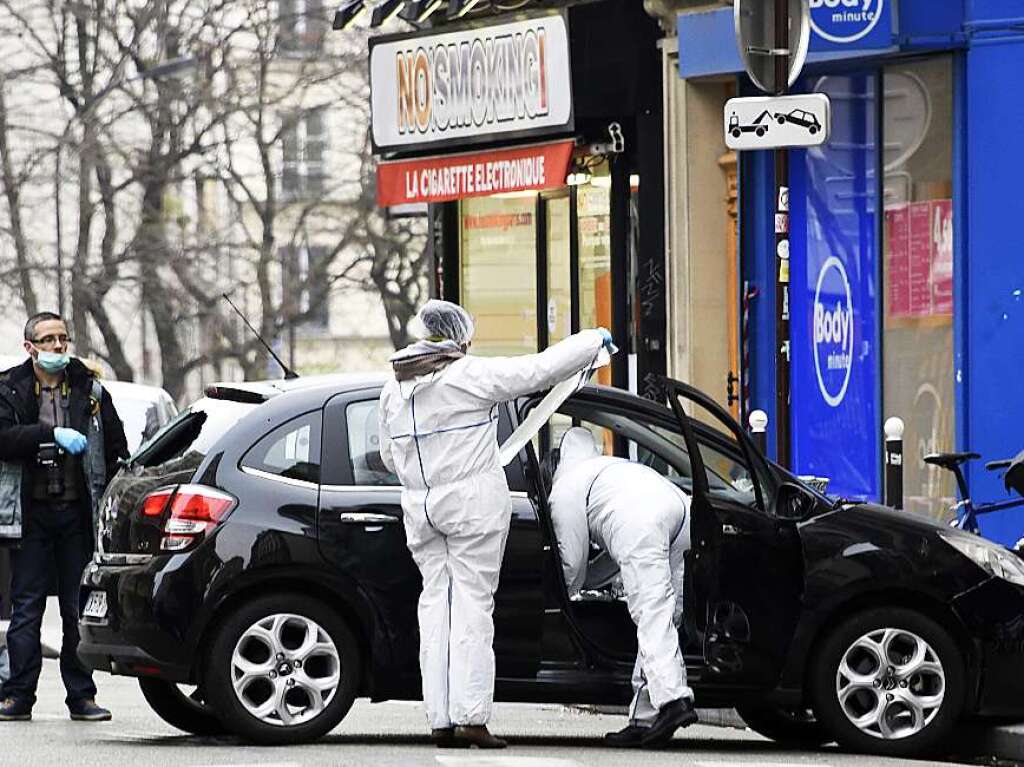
{"points": [[505, 761], [254, 764], [748, 763]]}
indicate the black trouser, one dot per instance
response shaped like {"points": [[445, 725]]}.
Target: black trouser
{"points": [[5, 584], [56, 540]]}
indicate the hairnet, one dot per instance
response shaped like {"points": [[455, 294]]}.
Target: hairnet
{"points": [[446, 320], [577, 445]]}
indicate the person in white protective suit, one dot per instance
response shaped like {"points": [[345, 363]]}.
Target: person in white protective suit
{"points": [[438, 433], [642, 521]]}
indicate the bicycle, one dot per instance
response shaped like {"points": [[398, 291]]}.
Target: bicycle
{"points": [[966, 510]]}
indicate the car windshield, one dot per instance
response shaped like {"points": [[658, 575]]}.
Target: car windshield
{"points": [[190, 435]]}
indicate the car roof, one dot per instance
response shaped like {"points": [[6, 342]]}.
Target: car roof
{"points": [[317, 386]]}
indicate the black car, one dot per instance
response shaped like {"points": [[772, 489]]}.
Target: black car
{"points": [[254, 550]]}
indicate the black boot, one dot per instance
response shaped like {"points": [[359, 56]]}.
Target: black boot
{"points": [[444, 737], [630, 735], [672, 716], [477, 735]]}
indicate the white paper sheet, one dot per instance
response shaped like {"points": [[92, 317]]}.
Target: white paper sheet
{"points": [[539, 416]]}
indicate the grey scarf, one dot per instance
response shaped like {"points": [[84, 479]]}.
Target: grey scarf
{"points": [[424, 357]]}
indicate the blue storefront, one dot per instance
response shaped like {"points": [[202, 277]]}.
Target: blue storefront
{"points": [[907, 242]]}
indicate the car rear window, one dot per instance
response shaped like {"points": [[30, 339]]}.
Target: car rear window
{"points": [[191, 434]]}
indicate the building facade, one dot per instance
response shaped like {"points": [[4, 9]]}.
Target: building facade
{"points": [[543, 172], [905, 282]]}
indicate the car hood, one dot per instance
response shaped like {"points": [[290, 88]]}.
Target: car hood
{"points": [[862, 546], [887, 517]]}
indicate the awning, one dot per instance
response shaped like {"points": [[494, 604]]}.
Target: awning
{"points": [[474, 174]]}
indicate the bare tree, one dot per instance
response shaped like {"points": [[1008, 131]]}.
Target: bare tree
{"points": [[131, 139]]}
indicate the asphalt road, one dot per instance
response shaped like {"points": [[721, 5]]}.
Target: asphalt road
{"points": [[380, 734]]}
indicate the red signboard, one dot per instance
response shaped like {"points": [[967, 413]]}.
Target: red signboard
{"points": [[474, 174]]}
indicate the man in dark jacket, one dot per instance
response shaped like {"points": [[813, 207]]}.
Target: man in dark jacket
{"points": [[60, 440]]}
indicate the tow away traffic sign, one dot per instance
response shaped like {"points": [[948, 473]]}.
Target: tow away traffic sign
{"points": [[773, 122]]}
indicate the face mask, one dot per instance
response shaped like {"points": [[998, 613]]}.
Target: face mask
{"points": [[52, 362]]}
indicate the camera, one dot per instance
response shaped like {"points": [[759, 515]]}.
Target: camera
{"points": [[49, 459]]}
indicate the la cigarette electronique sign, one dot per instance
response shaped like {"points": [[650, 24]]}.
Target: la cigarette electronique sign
{"points": [[471, 84]]}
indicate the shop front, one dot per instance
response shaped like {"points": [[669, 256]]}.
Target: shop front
{"points": [[536, 141], [906, 278]]}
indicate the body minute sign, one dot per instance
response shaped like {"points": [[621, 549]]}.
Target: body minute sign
{"points": [[471, 85]]}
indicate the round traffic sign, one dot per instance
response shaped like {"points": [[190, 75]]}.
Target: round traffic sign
{"points": [[756, 40]]}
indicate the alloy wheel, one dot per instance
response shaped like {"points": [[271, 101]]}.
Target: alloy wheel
{"points": [[285, 669], [890, 683]]}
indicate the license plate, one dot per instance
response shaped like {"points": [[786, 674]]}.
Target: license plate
{"points": [[96, 605]]}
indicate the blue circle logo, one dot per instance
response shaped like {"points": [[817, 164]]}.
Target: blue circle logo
{"points": [[845, 21], [833, 331]]}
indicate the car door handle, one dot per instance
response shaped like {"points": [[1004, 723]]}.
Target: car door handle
{"points": [[731, 530], [366, 518]]}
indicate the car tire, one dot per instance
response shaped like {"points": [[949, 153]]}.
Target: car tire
{"points": [[761, 131], [813, 129], [736, 134], [283, 669], [903, 662], [781, 120], [795, 727], [186, 712]]}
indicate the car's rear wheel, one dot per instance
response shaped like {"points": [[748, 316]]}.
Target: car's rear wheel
{"points": [[790, 726], [283, 669], [181, 707], [889, 681]]}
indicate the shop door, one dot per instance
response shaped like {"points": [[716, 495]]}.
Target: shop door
{"points": [[557, 309], [834, 294]]}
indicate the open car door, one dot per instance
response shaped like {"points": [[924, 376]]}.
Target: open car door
{"points": [[745, 563]]}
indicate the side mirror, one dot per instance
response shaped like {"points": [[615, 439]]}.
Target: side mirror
{"points": [[793, 502]]}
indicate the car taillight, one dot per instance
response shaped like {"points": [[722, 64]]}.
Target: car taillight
{"points": [[194, 510], [155, 503]]}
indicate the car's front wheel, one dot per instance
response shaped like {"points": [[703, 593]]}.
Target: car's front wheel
{"points": [[180, 707], [889, 681], [283, 669]]}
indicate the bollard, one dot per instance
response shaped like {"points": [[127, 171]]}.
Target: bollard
{"points": [[758, 421], [894, 462]]}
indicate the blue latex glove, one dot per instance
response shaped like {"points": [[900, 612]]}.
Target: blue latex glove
{"points": [[606, 338], [72, 441]]}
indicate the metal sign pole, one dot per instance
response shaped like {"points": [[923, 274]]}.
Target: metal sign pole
{"points": [[782, 346]]}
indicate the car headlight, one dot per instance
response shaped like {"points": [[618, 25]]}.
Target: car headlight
{"points": [[990, 557]]}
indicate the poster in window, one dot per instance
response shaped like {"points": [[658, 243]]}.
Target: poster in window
{"points": [[919, 252]]}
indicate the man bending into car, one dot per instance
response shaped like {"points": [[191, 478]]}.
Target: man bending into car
{"points": [[642, 521]]}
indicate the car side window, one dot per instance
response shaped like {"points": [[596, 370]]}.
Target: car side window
{"points": [[364, 446], [646, 443], [661, 446], [730, 475], [292, 450]]}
